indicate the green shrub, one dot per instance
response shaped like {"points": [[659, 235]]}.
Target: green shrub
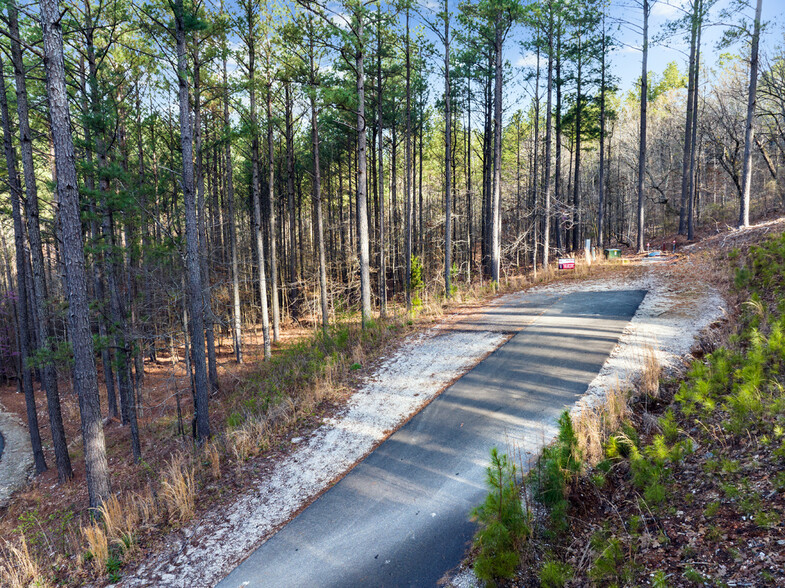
{"points": [[559, 465], [504, 524], [555, 574]]}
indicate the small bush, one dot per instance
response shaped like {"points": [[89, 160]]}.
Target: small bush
{"points": [[555, 574], [504, 525], [559, 465]]}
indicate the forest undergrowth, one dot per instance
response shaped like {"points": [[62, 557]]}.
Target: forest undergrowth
{"points": [[51, 539], [676, 481]]}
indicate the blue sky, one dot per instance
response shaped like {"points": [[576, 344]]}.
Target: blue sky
{"points": [[626, 59]]}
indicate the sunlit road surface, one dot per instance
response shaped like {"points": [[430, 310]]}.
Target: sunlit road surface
{"points": [[401, 517]]}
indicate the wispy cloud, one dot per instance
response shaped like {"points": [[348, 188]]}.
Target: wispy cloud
{"points": [[528, 60], [665, 10]]}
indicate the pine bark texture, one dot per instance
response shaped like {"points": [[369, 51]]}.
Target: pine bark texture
{"points": [[84, 372]]}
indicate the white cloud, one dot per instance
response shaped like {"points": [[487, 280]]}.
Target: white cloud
{"points": [[528, 60], [665, 10]]}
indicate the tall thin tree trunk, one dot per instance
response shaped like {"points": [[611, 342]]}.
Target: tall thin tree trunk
{"points": [[497, 157], [691, 88], [362, 169], [576, 186], [255, 188], [317, 181], [447, 154], [289, 135], [201, 217], [693, 141], [558, 129], [237, 336], [601, 174], [749, 131], [276, 307], [48, 373], [84, 372], [380, 178], [642, 145], [194, 281], [546, 228], [15, 188]]}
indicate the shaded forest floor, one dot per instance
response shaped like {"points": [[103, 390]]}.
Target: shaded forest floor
{"points": [[688, 485]]}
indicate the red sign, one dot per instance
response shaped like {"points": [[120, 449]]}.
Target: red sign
{"points": [[566, 263]]}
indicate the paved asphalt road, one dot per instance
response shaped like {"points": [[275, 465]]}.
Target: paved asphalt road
{"points": [[400, 518]]}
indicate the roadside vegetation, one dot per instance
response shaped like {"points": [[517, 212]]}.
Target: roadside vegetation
{"points": [[676, 481]]}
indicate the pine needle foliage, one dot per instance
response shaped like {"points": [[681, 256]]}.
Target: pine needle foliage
{"points": [[504, 524]]}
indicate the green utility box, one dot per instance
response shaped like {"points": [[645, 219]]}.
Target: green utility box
{"points": [[613, 254]]}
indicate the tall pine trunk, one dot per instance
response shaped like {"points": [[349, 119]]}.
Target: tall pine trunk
{"points": [[691, 89], [546, 227], [237, 335], [749, 131], [362, 170], [15, 188], [276, 307], [447, 152], [84, 372], [317, 181], [497, 157], [194, 278], [41, 321], [201, 218], [642, 145]]}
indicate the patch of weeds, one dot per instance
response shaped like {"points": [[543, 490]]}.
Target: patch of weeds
{"points": [[730, 490], [635, 525], [659, 579], [713, 534], [767, 519], [711, 466], [555, 574], [598, 479], [669, 426], [693, 575], [113, 564], [610, 564], [712, 509]]}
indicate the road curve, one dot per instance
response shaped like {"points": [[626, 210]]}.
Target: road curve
{"points": [[400, 518]]}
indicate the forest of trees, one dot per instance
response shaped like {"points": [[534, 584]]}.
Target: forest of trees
{"points": [[179, 171]]}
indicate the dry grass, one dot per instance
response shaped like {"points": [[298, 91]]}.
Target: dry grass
{"points": [[213, 455], [249, 439], [146, 507], [652, 371], [595, 425], [98, 545], [178, 488], [121, 519], [18, 569]]}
